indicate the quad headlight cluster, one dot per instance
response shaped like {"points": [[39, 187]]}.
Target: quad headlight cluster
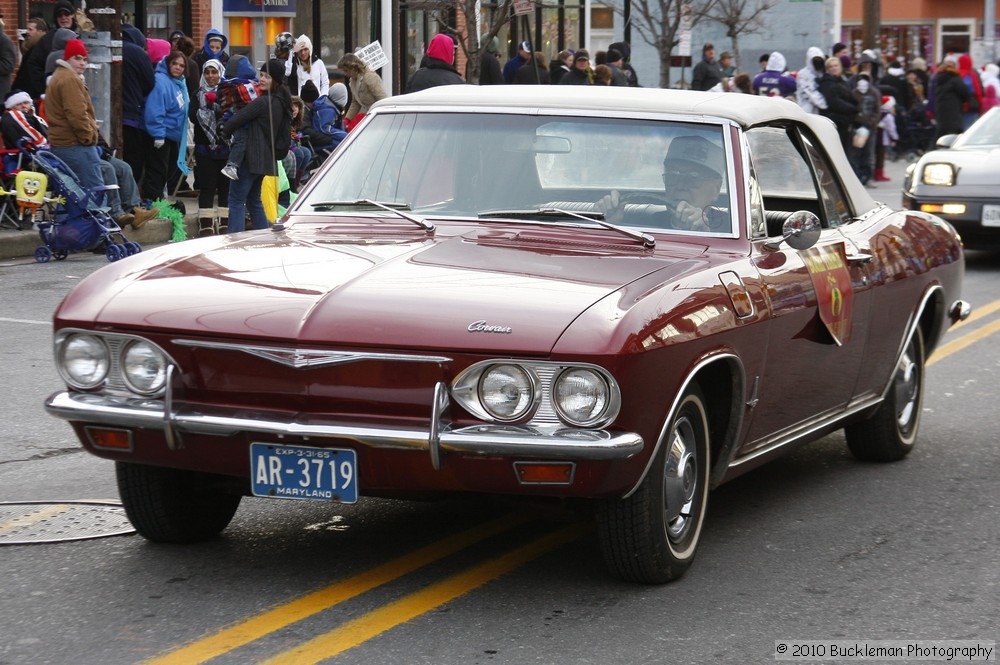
{"points": [[89, 361], [579, 395]]}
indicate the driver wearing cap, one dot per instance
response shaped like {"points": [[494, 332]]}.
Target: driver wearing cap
{"points": [[692, 179]]}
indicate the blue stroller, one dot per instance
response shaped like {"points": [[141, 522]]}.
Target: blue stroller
{"points": [[83, 223]]}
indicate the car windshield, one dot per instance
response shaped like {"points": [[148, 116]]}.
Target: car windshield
{"points": [[442, 164], [985, 131]]}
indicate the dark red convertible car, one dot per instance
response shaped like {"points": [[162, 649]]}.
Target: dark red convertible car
{"points": [[622, 295]]}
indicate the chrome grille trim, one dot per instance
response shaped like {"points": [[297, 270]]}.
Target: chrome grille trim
{"points": [[300, 358]]}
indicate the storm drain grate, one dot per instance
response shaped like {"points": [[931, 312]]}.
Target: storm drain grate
{"points": [[33, 522]]}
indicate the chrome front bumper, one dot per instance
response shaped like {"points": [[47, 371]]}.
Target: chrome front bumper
{"points": [[488, 439]]}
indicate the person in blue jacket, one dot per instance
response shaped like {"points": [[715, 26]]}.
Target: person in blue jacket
{"points": [[321, 121], [214, 48], [166, 118]]}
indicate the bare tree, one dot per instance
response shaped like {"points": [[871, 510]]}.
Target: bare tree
{"points": [[658, 22], [740, 17], [459, 19]]}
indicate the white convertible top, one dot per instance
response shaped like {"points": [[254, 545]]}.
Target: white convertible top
{"points": [[744, 110]]}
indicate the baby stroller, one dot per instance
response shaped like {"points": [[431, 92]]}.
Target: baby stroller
{"points": [[83, 223]]}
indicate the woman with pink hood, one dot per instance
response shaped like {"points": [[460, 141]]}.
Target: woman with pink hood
{"points": [[974, 106], [438, 66]]}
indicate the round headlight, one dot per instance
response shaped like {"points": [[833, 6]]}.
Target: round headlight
{"points": [[507, 392], [84, 361], [581, 396], [144, 368]]}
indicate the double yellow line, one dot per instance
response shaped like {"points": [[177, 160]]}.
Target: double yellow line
{"points": [[413, 605], [968, 339], [378, 621]]}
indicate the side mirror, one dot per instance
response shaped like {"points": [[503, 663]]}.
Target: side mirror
{"points": [[946, 141], [801, 231]]}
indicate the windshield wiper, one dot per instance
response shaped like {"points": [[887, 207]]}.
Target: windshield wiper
{"points": [[593, 217], [395, 208]]}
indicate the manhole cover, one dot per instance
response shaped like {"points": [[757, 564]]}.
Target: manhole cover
{"points": [[31, 522]]}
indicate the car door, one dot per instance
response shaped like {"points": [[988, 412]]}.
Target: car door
{"points": [[819, 298]]}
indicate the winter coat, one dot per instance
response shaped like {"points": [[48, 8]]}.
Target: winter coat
{"points": [[841, 106], [31, 74], [204, 55], [325, 127], [575, 77], [490, 72], [365, 91], [950, 95], [137, 76], [772, 82], [706, 75], [526, 75], [267, 112], [8, 63], [974, 104], [434, 73], [807, 92], [166, 113], [296, 75], [895, 85], [206, 117], [510, 69], [68, 109], [869, 108], [16, 125]]}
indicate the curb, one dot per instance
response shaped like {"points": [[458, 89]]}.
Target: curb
{"points": [[21, 244]]}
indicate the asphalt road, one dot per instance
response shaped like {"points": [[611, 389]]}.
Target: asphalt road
{"points": [[815, 546]]}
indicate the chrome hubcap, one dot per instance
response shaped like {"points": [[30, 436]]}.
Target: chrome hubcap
{"points": [[680, 481], [907, 390]]}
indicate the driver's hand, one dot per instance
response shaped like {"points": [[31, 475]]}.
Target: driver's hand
{"points": [[612, 207], [688, 217]]}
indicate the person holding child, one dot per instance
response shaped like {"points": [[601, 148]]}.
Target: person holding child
{"points": [[267, 120]]}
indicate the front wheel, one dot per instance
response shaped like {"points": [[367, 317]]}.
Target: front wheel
{"points": [[175, 506], [889, 434], [651, 536]]}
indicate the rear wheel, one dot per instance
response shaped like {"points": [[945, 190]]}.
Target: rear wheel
{"points": [[890, 433], [175, 506], [652, 535]]}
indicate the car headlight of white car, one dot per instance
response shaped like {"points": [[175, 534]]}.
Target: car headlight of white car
{"points": [[939, 173], [538, 393]]}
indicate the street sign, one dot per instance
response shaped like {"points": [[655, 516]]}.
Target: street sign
{"points": [[373, 55], [522, 7], [684, 45]]}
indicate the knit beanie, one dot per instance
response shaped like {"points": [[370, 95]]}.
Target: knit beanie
{"points": [[75, 47], [275, 69], [442, 47], [338, 95], [308, 92]]}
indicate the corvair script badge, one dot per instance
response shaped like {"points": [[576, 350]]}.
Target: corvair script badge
{"points": [[482, 326]]}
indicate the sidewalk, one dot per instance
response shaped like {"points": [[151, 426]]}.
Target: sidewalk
{"points": [[21, 244]]}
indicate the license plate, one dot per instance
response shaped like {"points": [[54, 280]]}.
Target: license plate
{"points": [[991, 215], [302, 472]]}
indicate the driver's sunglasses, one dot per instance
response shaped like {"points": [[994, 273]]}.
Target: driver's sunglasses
{"points": [[678, 177]]}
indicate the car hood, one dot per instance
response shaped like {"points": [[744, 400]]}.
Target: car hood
{"points": [[976, 165], [482, 291]]}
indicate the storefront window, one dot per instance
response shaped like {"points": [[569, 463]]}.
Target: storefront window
{"points": [[330, 45], [897, 42]]}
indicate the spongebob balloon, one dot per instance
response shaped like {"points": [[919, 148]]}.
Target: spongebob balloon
{"points": [[31, 187]]}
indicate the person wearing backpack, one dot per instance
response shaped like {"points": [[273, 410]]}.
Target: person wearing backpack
{"points": [[269, 120]]}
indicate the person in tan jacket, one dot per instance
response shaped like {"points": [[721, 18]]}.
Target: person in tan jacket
{"points": [[73, 134], [366, 88]]}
